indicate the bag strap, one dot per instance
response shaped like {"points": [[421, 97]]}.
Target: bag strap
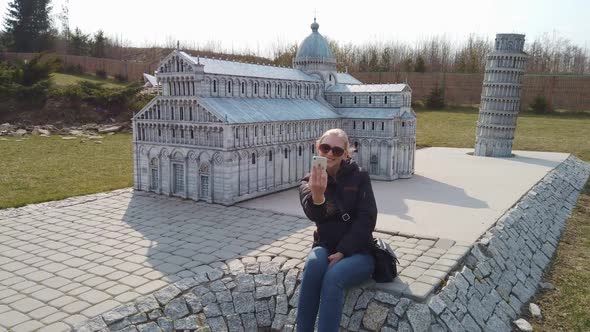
{"points": [[343, 214]]}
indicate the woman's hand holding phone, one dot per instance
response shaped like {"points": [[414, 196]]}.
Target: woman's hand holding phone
{"points": [[318, 182]]}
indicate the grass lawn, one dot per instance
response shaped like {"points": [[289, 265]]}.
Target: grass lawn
{"points": [[66, 79], [567, 307], [556, 133], [42, 169]]}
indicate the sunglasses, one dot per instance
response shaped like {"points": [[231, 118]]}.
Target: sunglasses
{"points": [[336, 150]]}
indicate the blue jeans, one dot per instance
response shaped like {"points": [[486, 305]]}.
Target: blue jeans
{"points": [[323, 288]]}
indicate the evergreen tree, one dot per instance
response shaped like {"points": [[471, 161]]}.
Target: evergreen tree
{"points": [[79, 43], [28, 25], [420, 66], [99, 44]]}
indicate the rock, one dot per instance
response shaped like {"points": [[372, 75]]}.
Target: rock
{"points": [[212, 310], [270, 267], [234, 323], [69, 138], [375, 316], [146, 303], [76, 132], [176, 308], [149, 327], [419, 317], [20, 132], [118, 313], [245, 283], [138, 318], [265, 280], [279, 322], [166, 294], [364, 299], [187, 323], [535, 311], [547, 286], [95, 138], [244, 302], [217, 324], [166, 324], [109, 129], [282, 304], [249, 321], [194, 303], [523, 325], [265, 291]]}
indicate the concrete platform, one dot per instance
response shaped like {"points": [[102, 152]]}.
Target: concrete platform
{"points": [[453, 195]]}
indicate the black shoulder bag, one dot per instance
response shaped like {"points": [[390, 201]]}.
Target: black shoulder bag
{"points": [[385, 259]]}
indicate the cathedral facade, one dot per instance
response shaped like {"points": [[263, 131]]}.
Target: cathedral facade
{"points": [[223, 131]]}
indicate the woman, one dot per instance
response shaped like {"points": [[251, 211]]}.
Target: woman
{"points": [[340, 201]]}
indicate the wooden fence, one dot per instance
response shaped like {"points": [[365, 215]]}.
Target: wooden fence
{"points": [[562, 91]]}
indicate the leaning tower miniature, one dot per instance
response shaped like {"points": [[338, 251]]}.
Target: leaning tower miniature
{"points": [[500, 97]]}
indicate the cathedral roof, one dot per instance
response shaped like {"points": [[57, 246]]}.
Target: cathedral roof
{"points": [[377, 88], [225, 67], [368, 112], [315, 46], [346, 78], [251, 110]]}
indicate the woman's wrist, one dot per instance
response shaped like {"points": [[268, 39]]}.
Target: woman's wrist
{"points": [[318, 200]]}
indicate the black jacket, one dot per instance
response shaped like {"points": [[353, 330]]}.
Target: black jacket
{"points": [[352, 188]]}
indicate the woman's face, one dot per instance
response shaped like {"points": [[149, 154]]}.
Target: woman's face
{"points": [[332, 141]]}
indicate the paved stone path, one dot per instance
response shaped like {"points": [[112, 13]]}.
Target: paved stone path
{"points": [[64, 262]]}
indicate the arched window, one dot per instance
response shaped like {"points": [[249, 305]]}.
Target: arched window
{"points": [[243, 87], [154, 174], [159, 132], [312, 148], [269, 155], [363, 125], [300, 151], [370, 100], [256, 88], [353, 124], [253, 158], [285, 153], [373, 125], [355, 99], [172, 112], [192, 134], [190, 113], [214, 85], [267, 88], [403, 124], [341, 100], [385, 100], [182, 113], [229, 85], [382, 125]]}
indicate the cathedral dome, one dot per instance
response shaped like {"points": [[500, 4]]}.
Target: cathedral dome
{"points": [[314, 47]]}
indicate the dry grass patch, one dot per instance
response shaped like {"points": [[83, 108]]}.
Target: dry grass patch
{"points": [[567, 308]]}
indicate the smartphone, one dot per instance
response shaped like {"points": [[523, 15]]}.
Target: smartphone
{"points": [[319, 160]]}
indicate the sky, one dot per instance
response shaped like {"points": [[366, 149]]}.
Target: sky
{"points": [[260, 25]]}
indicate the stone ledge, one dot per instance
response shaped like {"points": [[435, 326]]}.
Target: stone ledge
{"points": [[500, 273]]}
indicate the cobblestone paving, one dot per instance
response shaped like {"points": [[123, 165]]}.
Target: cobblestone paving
{"points": [[64, 262]]}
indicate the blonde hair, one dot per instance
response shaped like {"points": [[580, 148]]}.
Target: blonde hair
{"points": [[340, 134]]}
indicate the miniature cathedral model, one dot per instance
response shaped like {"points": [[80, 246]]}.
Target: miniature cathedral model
{"points": [[224, 131], [500, 97]]}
